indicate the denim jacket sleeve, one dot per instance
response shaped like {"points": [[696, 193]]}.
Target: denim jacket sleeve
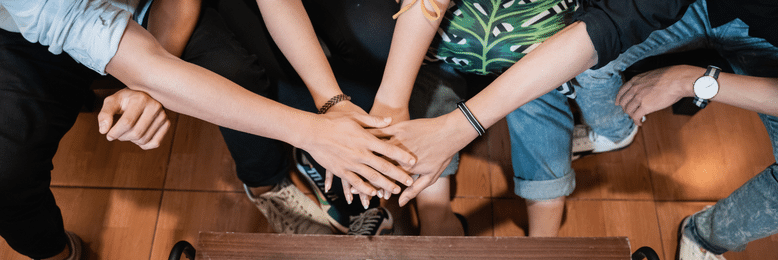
{"points": [[616, 25], [88, 30]]}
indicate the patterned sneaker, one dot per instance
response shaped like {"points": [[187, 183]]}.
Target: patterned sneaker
{"points": [[586, 141], [374, 221], [689, 250], [332, 202], [289, 211], [74, 243]]}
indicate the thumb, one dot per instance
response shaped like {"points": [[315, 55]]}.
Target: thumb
{"points": [[105, 117], [369, 121]]}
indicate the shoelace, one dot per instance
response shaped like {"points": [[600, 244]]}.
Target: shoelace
{"points": [[365, 223], [283, 212], [423, 10]]}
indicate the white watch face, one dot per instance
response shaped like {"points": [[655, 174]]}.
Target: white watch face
{"points": [[706, 87]]}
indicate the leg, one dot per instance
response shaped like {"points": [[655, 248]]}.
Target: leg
{"points": [[751, 212], [437, 89], [541, 133], [259, 161], [37, 111], [598, 88]]}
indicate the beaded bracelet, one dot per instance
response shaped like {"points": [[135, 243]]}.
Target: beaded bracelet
{"points": [[334, 100]]}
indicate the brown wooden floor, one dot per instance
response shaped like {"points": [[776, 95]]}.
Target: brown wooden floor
{"points": [[132, 204]]}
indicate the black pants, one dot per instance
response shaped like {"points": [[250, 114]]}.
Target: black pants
{"points": [[40, 97], [357, 34]]}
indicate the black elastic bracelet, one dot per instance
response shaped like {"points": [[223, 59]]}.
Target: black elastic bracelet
{"points": [[471, 118], [334, 100]]}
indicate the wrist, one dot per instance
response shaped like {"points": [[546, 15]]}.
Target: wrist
{"points": [[693, 73], [459, 128], [302, 135]]}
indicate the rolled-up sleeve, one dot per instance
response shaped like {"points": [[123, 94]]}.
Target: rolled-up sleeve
{"points": [[616, 25], [89, 31]]}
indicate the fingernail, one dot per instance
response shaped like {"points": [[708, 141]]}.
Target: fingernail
{"points": [[103, 125], [373, 193], [353, 191], [412, 161], [643, 119], [403, 201], [408, 182], [387, 119], [349, 198], [380, 194], [365, 202], [396, 190], [327, 187], [388, 195]]}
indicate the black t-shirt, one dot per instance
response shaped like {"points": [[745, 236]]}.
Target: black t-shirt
{"points": [[615, 25]]}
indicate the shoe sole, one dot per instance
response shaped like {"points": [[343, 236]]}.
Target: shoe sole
{"points": [[624, 143], [320, 196], [631, 138]]}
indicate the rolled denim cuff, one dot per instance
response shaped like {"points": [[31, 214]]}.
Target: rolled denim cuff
{"points": [[546, 189]]}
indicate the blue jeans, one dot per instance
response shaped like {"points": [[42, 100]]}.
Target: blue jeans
{"points": [[751, 212], [541, 133]]}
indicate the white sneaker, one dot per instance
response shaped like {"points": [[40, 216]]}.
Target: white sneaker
{"points": [[587, 141], [289, 211], [689, 250]]}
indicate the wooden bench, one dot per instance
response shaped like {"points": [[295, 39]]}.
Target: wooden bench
{"points": [[226, 245]]}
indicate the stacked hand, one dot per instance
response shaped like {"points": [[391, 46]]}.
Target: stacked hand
{"points": [[341, 145], [429, 140]]}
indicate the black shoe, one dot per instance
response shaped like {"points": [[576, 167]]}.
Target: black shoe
{"points": [[332, 202], [374, 221]]}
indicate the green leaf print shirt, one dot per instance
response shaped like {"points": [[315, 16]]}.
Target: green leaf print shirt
{"points": [[488, 36]]}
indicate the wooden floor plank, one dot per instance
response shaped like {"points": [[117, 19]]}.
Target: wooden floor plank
{"points": [[706, 156], [86, 159], [199, 159]]}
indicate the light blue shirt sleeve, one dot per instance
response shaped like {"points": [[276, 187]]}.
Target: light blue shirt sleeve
{"points": [[88, 30]]}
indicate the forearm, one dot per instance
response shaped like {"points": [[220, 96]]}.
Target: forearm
{"points": [[291, 29], [172, 22], [557, 60], [753, 93], [412, 36], [143, 65]]}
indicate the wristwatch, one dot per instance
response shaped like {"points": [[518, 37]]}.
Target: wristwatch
{"points": [[707, 86]]}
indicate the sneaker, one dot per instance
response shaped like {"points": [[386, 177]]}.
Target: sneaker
{"points": [[332, 202], [374, 221], [690, 250], [289, 211], [586, 141], [74, 243]]}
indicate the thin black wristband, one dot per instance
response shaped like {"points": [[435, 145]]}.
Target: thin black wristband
{"points": [[471, 118]]}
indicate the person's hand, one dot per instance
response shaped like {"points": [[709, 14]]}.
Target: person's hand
{"points": [[398, 115], [657, 89], [340, 143], [347, 109], [433, 141], [143, 120]]}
